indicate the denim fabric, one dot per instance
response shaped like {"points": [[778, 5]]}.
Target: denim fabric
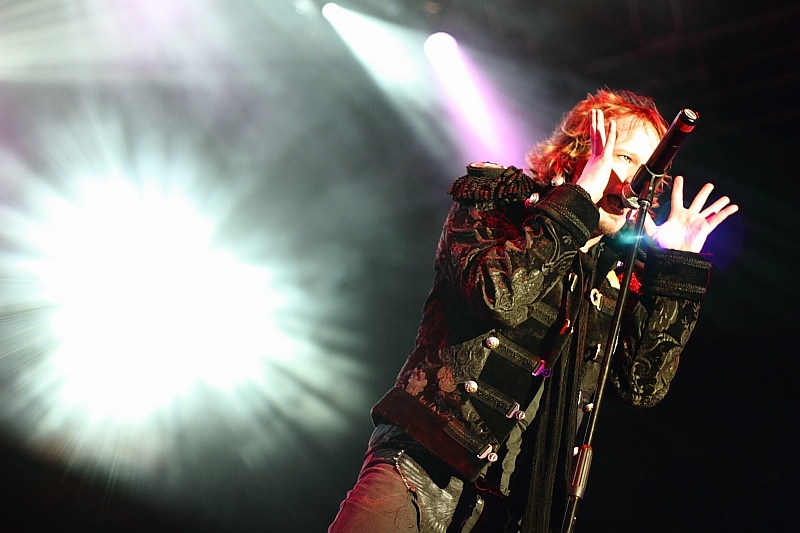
{"points": [[395, 494]]}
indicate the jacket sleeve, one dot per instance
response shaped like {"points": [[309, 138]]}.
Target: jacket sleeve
{"points": [[502, 268], [658, 328]]}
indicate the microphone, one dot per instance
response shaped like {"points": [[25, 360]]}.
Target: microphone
{"points": [[649, 174]]}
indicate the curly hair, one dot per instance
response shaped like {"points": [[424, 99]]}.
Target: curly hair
{"points": [[569, 143]]}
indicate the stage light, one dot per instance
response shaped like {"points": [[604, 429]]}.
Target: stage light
{"points": [[130, 319], [387, 50], [143, 305], [467, 102], [147, 307], [441, 47], [393, 57], [473, 104], [330, 11]]}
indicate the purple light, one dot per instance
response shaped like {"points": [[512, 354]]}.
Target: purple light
{"points": [[471, 105]]}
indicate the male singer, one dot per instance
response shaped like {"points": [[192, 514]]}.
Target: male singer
{"points": [[479, 432]]}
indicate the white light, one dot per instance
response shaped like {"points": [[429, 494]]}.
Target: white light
{"points": [[387, 50], [440, 46], [330, 11], [130, 321], [147, 307]]}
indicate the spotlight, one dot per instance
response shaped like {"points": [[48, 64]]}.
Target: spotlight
{"points": [[440, 46]]}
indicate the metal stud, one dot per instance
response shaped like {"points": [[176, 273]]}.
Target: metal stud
{"points": [[470, 386], [542, 370], [485, 452], [572, 278], [492, 342], [531, 200], [596, 298], [514, 411]]}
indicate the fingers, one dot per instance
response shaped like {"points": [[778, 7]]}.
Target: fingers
{"points": [[597, 134], [687, 228], [701, 198], [715, 219], [600, 126], [676, 196], [608, 151], [716, 207], [725, 213], [699, 201], [602, 143]]}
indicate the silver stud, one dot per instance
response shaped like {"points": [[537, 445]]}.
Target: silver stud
{"points": [[471, 386], [485, 452], [492, 342], [514, 411], [531, 200], [542, 370], [557, 181], [596, 298], [572, 278]]}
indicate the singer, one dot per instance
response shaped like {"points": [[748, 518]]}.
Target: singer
{"points": [[478, 433]]}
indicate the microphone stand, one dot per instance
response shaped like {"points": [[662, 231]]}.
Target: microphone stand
{"points": [[647, 177], [580, 475]]}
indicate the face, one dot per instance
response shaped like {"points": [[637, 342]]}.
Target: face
{"points": [[636, 141]]}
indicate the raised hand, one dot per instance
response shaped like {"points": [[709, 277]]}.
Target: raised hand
{"points": [[687, 228], [594, 176]]}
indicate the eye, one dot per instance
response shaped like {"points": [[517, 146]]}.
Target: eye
{"points": [[628, 159]]}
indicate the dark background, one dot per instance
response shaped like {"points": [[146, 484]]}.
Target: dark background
{"points": [[359, 196]]}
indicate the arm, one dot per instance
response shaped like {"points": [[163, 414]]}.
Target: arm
{"points": [[658, 327], [501, 267]]}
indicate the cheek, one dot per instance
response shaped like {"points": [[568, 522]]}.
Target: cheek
{"points": [[623, 172]]}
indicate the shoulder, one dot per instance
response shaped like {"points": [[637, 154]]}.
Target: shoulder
{"points": [[489, 182]]}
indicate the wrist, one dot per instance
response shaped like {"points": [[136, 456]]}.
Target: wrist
{"points": [[595, 196]]}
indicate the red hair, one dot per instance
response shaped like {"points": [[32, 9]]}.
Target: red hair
{"points": [[569, 142]]}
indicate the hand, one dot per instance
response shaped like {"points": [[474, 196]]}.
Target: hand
{"points": [[687, 228], [595, 174]]}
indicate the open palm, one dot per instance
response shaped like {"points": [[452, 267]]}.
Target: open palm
{"points": [[687, 228]]}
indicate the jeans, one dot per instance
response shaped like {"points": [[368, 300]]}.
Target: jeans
{"points": [[395, 494]]}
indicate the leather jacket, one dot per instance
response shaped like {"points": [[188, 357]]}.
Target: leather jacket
{"points": [[514, 301]]}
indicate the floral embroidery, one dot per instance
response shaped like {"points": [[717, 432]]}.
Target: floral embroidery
{"points": [[416, 382], [445, 377]]}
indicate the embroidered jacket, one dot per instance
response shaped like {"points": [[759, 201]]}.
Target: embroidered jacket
{"points": [[516, 307]]}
